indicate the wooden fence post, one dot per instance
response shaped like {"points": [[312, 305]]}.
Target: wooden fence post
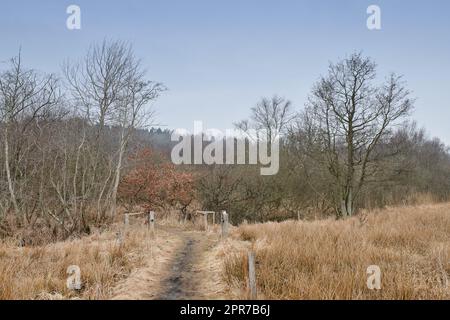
{"points": [[126, 222], [224, 224], [151, 222], [205, 217], [214, 218], [119, 238], [252, 275]]}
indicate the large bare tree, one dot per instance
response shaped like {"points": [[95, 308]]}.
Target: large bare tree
{"points": [[109, 85], [347, 117], [132, 112]]}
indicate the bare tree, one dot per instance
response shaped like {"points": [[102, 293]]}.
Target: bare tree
{"points": [[24, 95], [272, 115], [98, 79], [132, 112], [109, 86], [347, 117]]}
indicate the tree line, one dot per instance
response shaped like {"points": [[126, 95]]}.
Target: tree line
{"points": [[75, 147], [65, 139]]}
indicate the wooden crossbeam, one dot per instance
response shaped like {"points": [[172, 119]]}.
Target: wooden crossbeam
{"points": [[135, 213], [205, 212]]}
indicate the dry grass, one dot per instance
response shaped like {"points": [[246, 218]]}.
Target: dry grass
{"points": [[40, 272], [328, 259], [109, 268], [295, 260]]}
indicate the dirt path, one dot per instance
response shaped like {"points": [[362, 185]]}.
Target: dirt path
{"points": [[181, 264]]}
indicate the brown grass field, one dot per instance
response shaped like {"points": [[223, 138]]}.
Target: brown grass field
{"points": [[135, 268], [324, 259], [328, 259], [40, 272]]}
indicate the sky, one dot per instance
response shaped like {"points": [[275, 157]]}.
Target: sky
{"points": [[219, 58]]}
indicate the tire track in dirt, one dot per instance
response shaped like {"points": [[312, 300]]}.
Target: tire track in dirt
{"points": [[186, 274], [182, 265]]}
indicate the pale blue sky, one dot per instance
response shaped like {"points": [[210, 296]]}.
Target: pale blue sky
{"points": [[218, 58]]}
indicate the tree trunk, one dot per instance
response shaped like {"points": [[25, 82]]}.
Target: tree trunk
{"points": [[8, 172], [343, 209], [117, 177], [350, 202]]}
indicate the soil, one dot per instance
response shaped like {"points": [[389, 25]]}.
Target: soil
{"points": [[181, 264]]}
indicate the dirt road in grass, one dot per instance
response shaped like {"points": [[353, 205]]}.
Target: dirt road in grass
{"points": [[180, 264]]}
